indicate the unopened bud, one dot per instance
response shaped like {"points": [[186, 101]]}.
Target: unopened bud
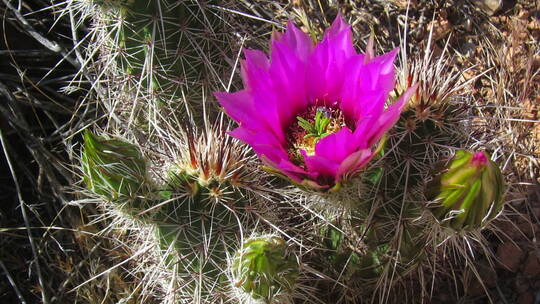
{"points": [[468, 193], [263, 269], [112, 168]]}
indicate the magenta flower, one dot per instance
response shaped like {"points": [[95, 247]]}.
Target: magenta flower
{"points": [[314, 112]]}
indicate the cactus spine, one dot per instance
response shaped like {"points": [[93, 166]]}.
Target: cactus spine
{"points": [[112, 168], [154, 46]]}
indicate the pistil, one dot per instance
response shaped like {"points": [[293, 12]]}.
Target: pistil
{"points": [[311, 126]]}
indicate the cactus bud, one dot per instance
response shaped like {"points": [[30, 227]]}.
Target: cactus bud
{"points": [[469, 193], [264, 270], [112, 168]]}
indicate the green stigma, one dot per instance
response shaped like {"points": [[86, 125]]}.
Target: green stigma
{"points": [[315, 123], [319, 127]]}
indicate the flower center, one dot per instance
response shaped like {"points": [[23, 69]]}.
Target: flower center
{"points": [[310, 126]]}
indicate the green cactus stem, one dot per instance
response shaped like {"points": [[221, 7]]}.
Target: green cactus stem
{"points": [[365, 258], [196, 216], [162, 45], [358, 262], [196, 229]]}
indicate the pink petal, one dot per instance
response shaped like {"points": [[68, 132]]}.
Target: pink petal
{"points": [[263, 142], [298, 74], [270, 151], [256, 62], [294, 172], [251, 114], [353, 163], [367, 86], [239, 106], [271, 85], [358, 100], [363, 128], [370, 53], [337, 146], [381, 71], [286, 168], [321, 169], [386, 61], [339, 33], [328, 63], [287, 71], [288, 74], [295, 40]]}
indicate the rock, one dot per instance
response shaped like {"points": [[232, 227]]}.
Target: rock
{"points": [[510, 230], [488, 275], [526, 298], [532, 265], [510, 256], [489, 7], [528, 229], [521, 284], [441, 27]]}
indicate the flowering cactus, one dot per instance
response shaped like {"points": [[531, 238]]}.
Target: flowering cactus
{"points": [[469, 193], [112, 168], [264, 270], [313, 113]]}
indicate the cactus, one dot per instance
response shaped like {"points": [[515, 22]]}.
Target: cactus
{"points": [[385, 236], [197, 229], [154, 46], [435, 117], [160, 55], [365, 254], [200, 194], [197, 216]]}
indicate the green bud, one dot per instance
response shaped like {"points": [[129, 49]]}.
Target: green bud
{"points": [[263, 269], [468, 193], [112, 168]]}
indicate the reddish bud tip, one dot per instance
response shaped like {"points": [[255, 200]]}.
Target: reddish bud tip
{"points": [[479, 159]]}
